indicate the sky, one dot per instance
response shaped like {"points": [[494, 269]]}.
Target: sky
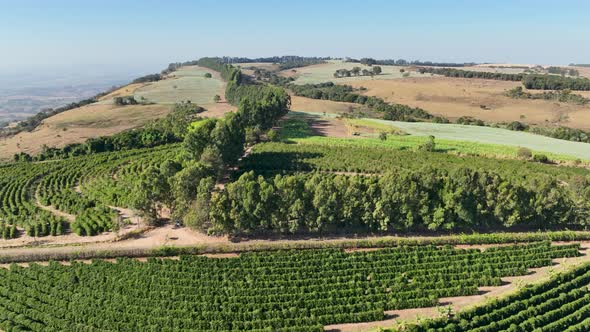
{"points": [[144, 35]]}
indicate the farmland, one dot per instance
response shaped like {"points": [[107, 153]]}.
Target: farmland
{"points": [[338, 288], [276, 180], [560, 304]]}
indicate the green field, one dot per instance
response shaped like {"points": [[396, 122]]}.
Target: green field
{"points": [[494, 136], [297, 291], [187, 83], [449, 138], [325, 73]]}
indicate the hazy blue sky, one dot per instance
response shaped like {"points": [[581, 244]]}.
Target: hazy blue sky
{"points": [[150, 33]]}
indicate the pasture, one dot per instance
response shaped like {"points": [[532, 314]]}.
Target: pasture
{"points": [[187, 83], [325, 73]]}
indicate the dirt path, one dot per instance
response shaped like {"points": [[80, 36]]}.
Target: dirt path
{"points": [[513, 284]]}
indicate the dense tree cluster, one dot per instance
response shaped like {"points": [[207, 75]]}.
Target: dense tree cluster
{"points": [[409, 200], [554, 82], [452, 72], [402, 62], [148, 78], [125, 100], [345, 93], [562, 71], [357, 71]]}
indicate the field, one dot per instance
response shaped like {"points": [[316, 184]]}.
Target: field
{"points": [[449, 138], [325, 73], [561, 304], [481, 99], [494, 136], [187, 83], [223, 294]]}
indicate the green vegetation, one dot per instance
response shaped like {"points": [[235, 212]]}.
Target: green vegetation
{"points": [[563, 96], [561, 304], [280, 291]]}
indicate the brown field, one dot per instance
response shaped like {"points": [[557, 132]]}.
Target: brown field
{"points": [[456, 97], [77, 125]]}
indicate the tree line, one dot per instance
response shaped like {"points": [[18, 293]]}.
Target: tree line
{"points": [[452, 72], [425, 199], [554, 82], [357, 71], [402, 62], [530, 81]]}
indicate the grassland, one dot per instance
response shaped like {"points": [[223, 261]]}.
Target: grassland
{"points": [[325, 73]]}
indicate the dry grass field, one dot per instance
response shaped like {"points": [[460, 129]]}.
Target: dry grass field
{"points": [[77, 125], [325, 73], [482, 99]]}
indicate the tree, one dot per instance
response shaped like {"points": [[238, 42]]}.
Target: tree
{"points": [[383, 136], [198, 137], [151, 189], [376, 70], [356, 71]]}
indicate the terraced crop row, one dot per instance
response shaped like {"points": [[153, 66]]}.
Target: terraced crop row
{"points": [[278, 291], [559, 305], [54, 183]]}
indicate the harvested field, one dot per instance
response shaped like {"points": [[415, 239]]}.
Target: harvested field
{"points": [[482, 99]]}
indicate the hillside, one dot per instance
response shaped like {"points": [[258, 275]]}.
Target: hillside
{"points": [[106, 118]]}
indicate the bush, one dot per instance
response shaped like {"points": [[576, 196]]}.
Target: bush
{"points": [[208, 75], [524, 153], [517, 126], [272, 135], [541, 158], [429, 145], [383, 136]]}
